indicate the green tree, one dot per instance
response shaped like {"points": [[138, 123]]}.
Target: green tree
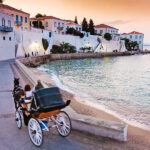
{"points": [[130, 45], [45, 44], [107, 36], [127, 43], [76, 20], [84, 25], [134, 45], [39, 15], [91, 27]]}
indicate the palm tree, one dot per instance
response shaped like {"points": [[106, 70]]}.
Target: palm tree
{"points": [[1, 1]]}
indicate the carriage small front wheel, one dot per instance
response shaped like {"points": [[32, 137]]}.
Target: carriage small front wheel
{"points": [[35, 132], [18, 119], [63, 124]]}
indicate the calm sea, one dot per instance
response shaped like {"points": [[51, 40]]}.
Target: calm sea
{"points": [[119, 84]]}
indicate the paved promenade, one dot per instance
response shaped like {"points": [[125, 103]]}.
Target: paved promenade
{"points": [[13, 139]]}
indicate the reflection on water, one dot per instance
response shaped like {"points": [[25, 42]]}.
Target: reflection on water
{"points": [[121, 84]]}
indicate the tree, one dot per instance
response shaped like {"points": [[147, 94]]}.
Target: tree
{"points": [[84, 25], [39, 15], [76, 20], [91, 27], [107, 36], [1, 1], [130, 45], [45, 44], [127, 41], [134, 45]]}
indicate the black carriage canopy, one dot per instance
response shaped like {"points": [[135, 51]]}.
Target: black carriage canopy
{"points": [[48, 99]]}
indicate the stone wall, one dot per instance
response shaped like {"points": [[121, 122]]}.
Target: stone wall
{"points": [[36, 61]]}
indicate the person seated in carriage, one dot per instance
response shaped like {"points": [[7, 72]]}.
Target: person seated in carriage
{"points": [[28, 96]]}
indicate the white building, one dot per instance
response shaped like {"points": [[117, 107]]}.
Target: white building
{"points": [[135, 37], [51, 23], [75, 26], [102, 29], [7, 40]]}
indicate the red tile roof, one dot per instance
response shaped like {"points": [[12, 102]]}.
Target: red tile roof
{"points": [[2, 6], [73, 24], [69, 21], [104, 26], [133, 32], [46, 17]]}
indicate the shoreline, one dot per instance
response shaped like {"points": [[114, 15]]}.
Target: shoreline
{"points": [[86, 101], [135, 134]]}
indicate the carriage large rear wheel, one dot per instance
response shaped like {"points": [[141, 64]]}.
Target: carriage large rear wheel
{"points": [[18, 119], [63, 124], [35, 132]]}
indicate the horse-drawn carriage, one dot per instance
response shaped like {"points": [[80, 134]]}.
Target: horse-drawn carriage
{"points": [[45, 107]]}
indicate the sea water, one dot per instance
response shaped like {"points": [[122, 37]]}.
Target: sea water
{"points": [[119, 84]]}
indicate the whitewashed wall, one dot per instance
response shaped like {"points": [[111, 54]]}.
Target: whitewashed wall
{"points": [[7, 46], [108, 46], [31, 41]]}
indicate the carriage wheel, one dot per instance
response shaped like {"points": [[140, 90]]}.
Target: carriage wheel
{"points": [[63, 124], [18, 119], [35, 132]]}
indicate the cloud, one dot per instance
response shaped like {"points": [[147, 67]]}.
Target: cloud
{"points": [[118, 22]]}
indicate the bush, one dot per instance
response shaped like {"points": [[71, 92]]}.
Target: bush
{"points": [[74, 32], [63, 48], [107, 36]]}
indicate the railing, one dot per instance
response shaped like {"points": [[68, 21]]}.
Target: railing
{"points": [[18, 22], [6, 29], [60, 28]]}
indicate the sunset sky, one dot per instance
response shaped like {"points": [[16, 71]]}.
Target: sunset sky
{"points": [[127, 15]]}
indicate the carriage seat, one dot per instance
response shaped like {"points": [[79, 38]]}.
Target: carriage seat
{"points": [[49, 99]]}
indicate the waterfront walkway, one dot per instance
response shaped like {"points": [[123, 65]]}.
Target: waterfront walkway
{"points": [[11, 138]]}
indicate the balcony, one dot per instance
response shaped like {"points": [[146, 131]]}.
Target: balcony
{"points": [[18, 22], [6, 29], [60, 28]]}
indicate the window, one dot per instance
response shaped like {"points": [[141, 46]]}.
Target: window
{"points": [[3, 37], [59, 24], [9, 38], [140, 42], [26, 20], [140, 37], [22, 28], [63, 24], [46, 24], [21, 19], [9, 23], [17, 18], [77, 28], [101, 31], [50, 34], [136, 37], [3, 22], [55, 24], [96, 31], [130, 36]]}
